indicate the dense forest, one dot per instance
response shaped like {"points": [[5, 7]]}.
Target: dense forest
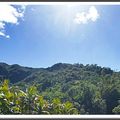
{"points": [[60, 89]]}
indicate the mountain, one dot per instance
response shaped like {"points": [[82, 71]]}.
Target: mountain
{"points": [[62, 71], [91, 88], [15, 72]]}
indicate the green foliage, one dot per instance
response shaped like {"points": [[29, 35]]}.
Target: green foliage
{"points": [[90, 89], [15, 101], [116, 110]]}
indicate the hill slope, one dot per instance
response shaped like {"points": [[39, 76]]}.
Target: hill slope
{"points": [[91, 88]]}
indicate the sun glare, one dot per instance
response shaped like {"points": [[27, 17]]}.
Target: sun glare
{"points": [[65, 15]]}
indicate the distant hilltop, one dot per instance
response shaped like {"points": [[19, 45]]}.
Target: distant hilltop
{"points": [[16, 73]]}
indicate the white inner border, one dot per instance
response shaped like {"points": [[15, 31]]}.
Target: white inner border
{"points": [[62, 3], [62, 116]]}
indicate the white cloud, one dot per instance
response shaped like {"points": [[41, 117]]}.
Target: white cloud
{"points": [[4, 35], [84, 17], [9, 14], [7, 36], [2, 25]]}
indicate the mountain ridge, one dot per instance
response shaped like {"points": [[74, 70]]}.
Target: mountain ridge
{"points": [[16, 72]]}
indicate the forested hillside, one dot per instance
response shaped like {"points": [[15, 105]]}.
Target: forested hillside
{"points": [[89, 89]]}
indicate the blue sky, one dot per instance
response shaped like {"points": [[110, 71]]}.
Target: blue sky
{"points": [[42, 35]]}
